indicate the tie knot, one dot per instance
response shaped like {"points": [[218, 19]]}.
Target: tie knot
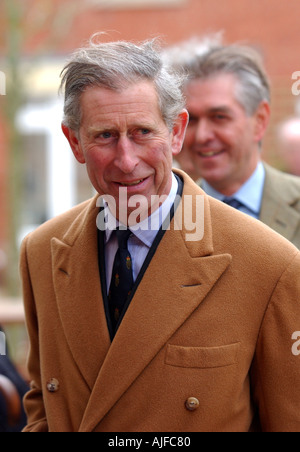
{"points": [[123, 236], [232, 203]]}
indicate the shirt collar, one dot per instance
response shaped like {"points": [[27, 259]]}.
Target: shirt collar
{"points": [[250, 194], [145, 231]]}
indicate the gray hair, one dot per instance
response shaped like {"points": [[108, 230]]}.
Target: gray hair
{"points": [[115, 66], [203, 59]]}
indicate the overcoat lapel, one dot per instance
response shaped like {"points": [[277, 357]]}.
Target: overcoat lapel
{"points": [[172, 288], [78, 293]]}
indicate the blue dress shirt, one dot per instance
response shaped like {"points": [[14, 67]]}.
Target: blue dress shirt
{"points": [[249, 195]]}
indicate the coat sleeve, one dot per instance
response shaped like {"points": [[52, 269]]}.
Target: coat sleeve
{"points": [[276, 366], [33, 400]]}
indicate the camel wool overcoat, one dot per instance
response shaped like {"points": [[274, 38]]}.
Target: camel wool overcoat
{"points": [[210, 340]]}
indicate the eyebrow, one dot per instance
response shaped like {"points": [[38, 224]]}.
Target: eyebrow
{"points": [[222, 108], [213, 110], [101, 129], [94, 130]]}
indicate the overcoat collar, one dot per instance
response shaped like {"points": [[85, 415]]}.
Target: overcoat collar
{"points": [[278, 203], [179, 277], [277, 210]]}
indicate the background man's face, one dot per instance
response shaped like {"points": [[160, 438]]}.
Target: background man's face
{"points": [[222, 139], [125, 142]]}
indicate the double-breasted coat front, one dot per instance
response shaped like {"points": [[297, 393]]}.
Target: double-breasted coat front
{"points": [[205, 345]]}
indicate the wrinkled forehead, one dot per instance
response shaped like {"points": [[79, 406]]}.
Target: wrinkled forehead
{"points": [[138, 103]]}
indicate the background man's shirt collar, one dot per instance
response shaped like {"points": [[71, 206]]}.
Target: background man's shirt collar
{"points": [[250, 194]]}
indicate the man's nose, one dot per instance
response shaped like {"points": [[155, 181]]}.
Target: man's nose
{"points": [[204, 132], [126, 159]]}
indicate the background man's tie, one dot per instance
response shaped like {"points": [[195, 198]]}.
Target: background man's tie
{"points": [[233, 203], [122, 278]]}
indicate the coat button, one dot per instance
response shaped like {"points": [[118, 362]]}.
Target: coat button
{"points": [[192, 404], [53, 385]]}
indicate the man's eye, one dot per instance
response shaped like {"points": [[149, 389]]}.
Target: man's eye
{"points": [[140, 133], [144, 131], [105, 135], [220, 117]]}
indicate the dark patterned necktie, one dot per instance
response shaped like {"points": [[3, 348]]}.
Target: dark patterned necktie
{"points": [[122, 278], [233, 203]]}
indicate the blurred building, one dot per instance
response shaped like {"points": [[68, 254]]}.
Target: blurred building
{"points": [[48, 31]]}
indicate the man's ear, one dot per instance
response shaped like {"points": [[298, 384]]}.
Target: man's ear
{"points": [[262, 118], [73, 140], [179, 131]]}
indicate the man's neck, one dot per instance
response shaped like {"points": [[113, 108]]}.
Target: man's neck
{"points": [[230, 187]]}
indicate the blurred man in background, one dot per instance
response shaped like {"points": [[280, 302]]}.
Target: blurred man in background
{"points": [[228, 99]]}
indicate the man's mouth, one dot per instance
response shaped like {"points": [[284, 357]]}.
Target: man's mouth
{"points": [[210, 153], [131, 184]]}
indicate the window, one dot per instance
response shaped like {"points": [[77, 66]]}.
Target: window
{"points": [[34, 172]]}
